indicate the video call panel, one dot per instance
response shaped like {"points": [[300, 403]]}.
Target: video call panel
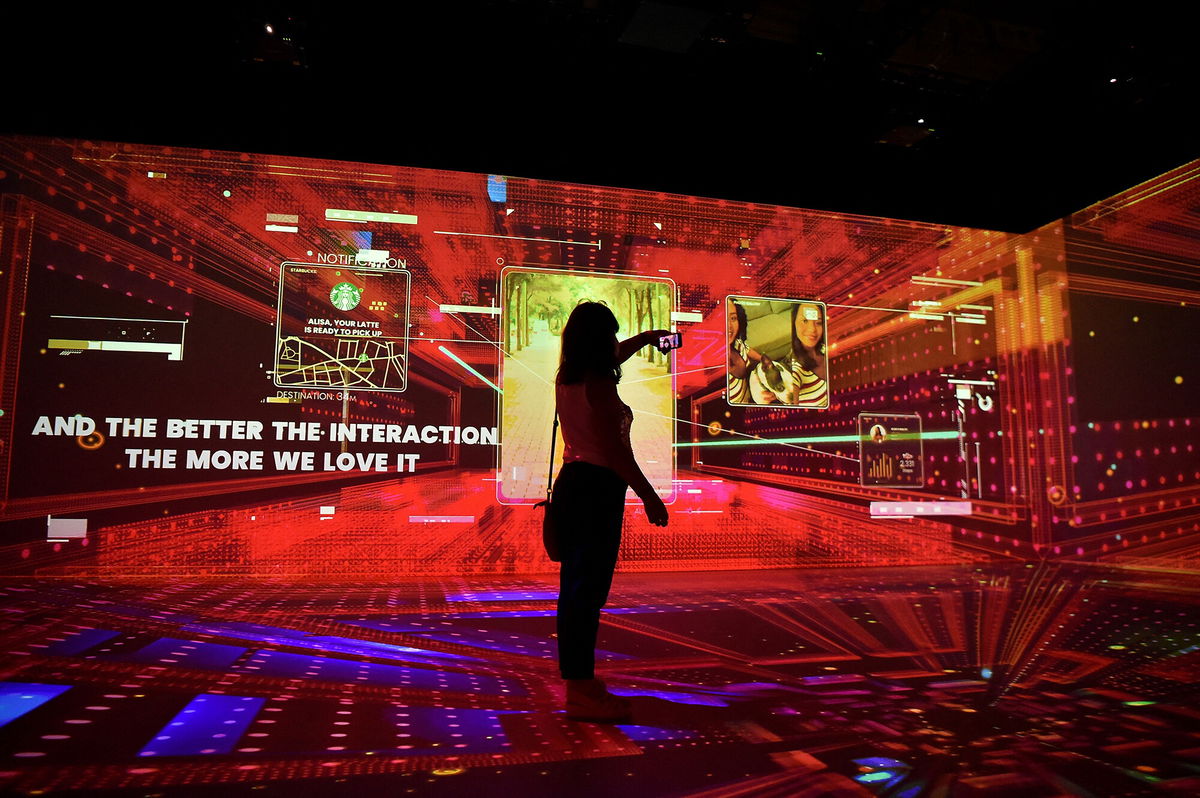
{"points": [[777, 352]]}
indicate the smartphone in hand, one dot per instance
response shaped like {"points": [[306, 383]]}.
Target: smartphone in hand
{"points": [[668, 342]]}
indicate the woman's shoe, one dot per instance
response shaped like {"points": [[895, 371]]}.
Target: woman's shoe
{"points": [[589, 700]]}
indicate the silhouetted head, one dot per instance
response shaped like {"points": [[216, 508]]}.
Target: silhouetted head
{"points": [[589, 344]]}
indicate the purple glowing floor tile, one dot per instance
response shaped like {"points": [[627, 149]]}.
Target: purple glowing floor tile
{"points": [[422, 622], [433, 730], [185, 653], [504, 595], [833, 678], [348, 645], [209, 724], [17, 698], [674, 696], [327, 643], [282, 664], [655, 733], [447, 631]]}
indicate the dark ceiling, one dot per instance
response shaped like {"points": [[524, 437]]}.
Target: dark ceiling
{"points": [[1030, 110]]}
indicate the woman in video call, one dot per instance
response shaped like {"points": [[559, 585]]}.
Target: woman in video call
{"points": [[742, 359], [589, 495], [805, 362]]}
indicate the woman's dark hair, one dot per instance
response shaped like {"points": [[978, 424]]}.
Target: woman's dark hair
{"points": [[806, 357], [742, 322], [587, 344]]}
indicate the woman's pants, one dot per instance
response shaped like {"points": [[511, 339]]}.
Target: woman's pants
{"points": [[588, 506]]}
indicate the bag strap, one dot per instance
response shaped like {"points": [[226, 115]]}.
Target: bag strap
{"points": [[553, 443]]}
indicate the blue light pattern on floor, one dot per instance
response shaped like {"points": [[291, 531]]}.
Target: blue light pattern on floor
{"points": [[504, 595], [333, 644], [655, 733], [209, 724], [288, 665], [17, 698], [673, 696], [188, 653]]}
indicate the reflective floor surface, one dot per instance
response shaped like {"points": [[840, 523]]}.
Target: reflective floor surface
{"points": [[1024, 679]]}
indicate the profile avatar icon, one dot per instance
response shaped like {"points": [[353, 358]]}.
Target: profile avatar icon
{"points": [[345, 296], [878, 433]]}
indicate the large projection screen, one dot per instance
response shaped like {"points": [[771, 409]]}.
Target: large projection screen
{"points": [[231, 363]]}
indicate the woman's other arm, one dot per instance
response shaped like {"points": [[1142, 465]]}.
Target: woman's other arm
{"points": [[608, 414]]}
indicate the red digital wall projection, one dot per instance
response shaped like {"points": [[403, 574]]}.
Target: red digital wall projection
{"points": [[224, 364], [336, 378]]}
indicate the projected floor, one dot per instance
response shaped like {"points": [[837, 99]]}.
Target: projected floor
{"points": [[952, 680]]}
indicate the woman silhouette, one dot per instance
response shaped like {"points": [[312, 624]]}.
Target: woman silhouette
{"points": [[589, 496]]}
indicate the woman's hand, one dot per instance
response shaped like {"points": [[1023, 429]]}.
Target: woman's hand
{"points": [[656, 511], [626, 348]]}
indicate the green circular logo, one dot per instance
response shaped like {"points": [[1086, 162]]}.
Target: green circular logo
{"points": [[345, 296]]}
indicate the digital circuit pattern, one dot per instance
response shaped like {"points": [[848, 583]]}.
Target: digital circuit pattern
{"points": [[359, 531]]}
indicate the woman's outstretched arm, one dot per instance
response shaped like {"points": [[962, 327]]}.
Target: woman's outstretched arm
{"points": [[626, 348]]}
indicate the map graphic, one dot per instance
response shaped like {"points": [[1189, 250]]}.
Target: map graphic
{"points": [[342, 327]]}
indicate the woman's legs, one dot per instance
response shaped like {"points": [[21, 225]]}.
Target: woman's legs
{"points": [[589, 502]]}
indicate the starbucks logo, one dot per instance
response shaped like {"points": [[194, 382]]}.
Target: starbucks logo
{"points": [[345, 296]]}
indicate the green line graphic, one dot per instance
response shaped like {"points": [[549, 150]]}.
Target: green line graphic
{"points": [[940, 435], [467, 366]]}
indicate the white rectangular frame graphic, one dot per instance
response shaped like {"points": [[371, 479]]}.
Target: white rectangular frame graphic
{"points": [[668, 497], [404, 326], [862, 462], [825, 342]]}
